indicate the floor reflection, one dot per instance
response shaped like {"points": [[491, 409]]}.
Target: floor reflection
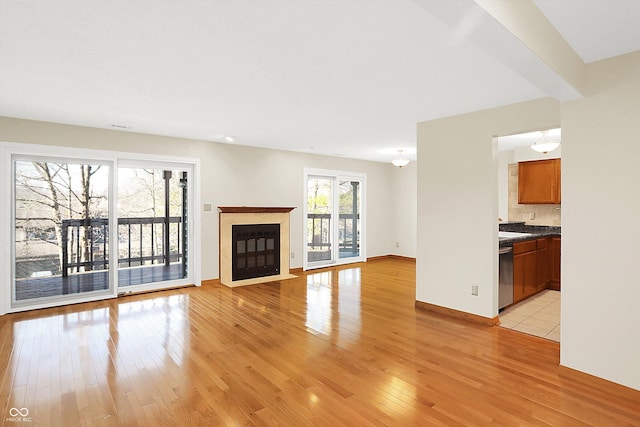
{"points": [[121, 345], [166, 329], [319, 292], [334, 303], [398, 395], [349, 305]]}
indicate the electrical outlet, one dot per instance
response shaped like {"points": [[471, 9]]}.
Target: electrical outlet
{"points": [[293, 255], [207, 207], [474, 290], [397, 244], [532, 215]]}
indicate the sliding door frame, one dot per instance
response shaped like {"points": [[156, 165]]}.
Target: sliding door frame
{"points": [[336, 176], [11, 150], [130, 162]]}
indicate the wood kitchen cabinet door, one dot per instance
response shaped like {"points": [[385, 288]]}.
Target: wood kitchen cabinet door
{"points": [[539, 182], [530, 273], [543, 276], [518, 278], [524, 275], [555, 264]]}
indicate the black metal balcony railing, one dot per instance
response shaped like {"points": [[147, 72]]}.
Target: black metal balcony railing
{"points": [[320, 227], [72, 247], [142, 237]]}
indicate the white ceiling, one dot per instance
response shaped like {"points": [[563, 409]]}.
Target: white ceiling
{"points": [[336, 77], [596, 29]]}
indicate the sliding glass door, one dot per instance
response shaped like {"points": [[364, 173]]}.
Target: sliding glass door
{"points": [[349, 224], [61, 223], [153, 215], [320, 234], [87, 224], [334, 218]]}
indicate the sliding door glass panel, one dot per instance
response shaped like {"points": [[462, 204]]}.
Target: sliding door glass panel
{"points": [[319, 219], [152, 225], [61, 230], [349, 220]]}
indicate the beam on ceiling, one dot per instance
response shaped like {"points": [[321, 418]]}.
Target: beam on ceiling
{"points": [[519, 35]]}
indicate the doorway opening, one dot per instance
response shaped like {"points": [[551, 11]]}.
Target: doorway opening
{"points": [[529, 228]]}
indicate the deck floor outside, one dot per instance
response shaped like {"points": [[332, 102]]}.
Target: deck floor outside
{"points": [[51, 286]]}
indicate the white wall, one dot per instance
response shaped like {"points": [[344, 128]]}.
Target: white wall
{"points": [[601, 224], [504, 159], [406, 209], [237, 175], [458, 203]]}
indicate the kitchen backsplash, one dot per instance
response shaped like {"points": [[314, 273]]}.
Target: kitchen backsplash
{"points": [[543, 214]]}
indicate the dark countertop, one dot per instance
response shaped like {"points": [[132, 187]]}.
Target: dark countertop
{"points": [[537, 231]]}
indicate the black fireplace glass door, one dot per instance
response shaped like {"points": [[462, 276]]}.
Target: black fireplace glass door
{"points": [[256, 251]]}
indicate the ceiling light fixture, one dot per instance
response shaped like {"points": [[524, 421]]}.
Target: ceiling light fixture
{"points": [[229, 138], [400, 161], [545, 145]]}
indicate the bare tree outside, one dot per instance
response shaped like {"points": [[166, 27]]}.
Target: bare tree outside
{"points": [[47, 194]]}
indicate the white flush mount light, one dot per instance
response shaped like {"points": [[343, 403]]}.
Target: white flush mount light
{"points": [[545, 145], [229, 138], [400, 161]]}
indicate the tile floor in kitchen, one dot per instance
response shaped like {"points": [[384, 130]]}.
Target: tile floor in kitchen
{"points": [[538, 315]]}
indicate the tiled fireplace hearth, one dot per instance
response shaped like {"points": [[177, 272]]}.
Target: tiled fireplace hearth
{"points": [[250, 250]]}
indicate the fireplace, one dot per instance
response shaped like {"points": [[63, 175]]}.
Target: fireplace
{"points": [[254, 244], [255, 251]]}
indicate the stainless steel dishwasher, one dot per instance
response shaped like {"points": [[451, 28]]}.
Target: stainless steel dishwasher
{"points": [[505, 276]]}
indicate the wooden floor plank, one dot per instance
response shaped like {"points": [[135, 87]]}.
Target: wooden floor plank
{"points": [[338, 346]]}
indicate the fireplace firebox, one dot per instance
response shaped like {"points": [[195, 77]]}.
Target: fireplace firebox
{"points": [[255, 251]]}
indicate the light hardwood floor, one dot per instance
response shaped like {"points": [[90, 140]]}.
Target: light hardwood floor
{"points": [[342, 346]]}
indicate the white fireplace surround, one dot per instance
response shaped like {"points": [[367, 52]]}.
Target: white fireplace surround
{"points": [[248, 215]]}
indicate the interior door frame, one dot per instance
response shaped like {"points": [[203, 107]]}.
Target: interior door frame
{"points": [[336, 176], [9, 150]]}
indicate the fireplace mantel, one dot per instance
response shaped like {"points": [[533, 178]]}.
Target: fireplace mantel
{"points": [[246, 215], [253, 209]]}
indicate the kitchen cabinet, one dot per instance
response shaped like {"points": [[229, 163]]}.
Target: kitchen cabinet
{"points": [[539, 182], [524, 270], [554, 264], [536, 267], [543, 261]]}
